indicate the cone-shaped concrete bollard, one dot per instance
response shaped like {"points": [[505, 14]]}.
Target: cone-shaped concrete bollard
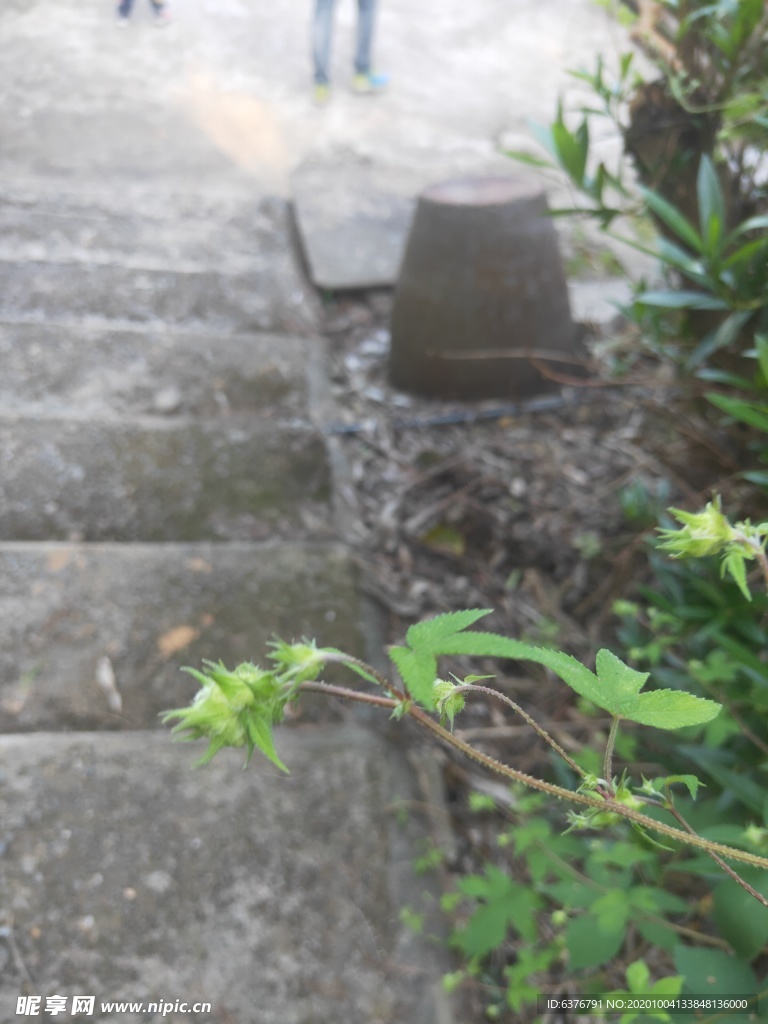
{"points": [[481, 273]]}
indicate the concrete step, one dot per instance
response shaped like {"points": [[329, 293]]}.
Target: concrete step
{"points": [[266, 298], [154, 479], [150, 609], [189, 260], [151, 228], [128, 876], [58, 369]]}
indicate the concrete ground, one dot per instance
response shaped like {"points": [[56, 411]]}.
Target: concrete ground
{"points": [[223, 93]]}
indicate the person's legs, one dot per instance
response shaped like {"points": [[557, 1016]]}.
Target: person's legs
{"points": [[124, 8], [366, 11], [322, 30]]}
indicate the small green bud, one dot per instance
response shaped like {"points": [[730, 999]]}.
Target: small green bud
{"points": [[703, 533], [756, 837], [447, 701], [559, 918], [301, 662], [452, 981]]}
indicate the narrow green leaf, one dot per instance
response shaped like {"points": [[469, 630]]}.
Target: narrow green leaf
{"points": [[527, 158], [752, 224], [572, 149], [747, 412], [681, 300], [745, 254], [674, 256], [722, 337], [761, 349], [711, 207], [673, 219]]}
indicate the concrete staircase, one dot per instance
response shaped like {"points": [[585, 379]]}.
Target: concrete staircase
{"points": [[166, 495]]}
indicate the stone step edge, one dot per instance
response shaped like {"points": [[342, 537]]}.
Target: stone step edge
{"points": [[163, 327], [231, 266]]}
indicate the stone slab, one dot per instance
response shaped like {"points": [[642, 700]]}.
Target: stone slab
{"points": [[126, 875], [352, 227], [155, 479], [151, 609], [55, 369]]}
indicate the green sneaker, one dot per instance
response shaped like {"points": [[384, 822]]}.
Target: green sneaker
{"points": [[321, 94], [369, 84]]}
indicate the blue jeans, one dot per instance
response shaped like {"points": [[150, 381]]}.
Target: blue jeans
{"points": [[127, 5], [322, 32]]}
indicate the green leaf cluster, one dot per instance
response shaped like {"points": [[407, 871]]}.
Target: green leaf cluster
{"points": [[591, 901]]}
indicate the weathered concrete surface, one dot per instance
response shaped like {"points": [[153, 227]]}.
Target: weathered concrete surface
{"points": [[197, 299], [151, 609], [150, 255], [136, 224], [52, 370], [159, 479], [127, 876], [353, 226]]}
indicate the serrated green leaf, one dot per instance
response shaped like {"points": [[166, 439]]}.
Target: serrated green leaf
{"points": [[507, 903], [428, 635], [621, 684], [418, 670], [491, 645], [691, 782], [735, 564], [672, 709]]}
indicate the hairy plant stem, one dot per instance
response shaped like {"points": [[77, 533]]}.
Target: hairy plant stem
{"points": [[598, 803], [669, 806], [472, 687]]}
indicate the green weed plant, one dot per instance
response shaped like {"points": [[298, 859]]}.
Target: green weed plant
{"points": [[598, 894]]}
